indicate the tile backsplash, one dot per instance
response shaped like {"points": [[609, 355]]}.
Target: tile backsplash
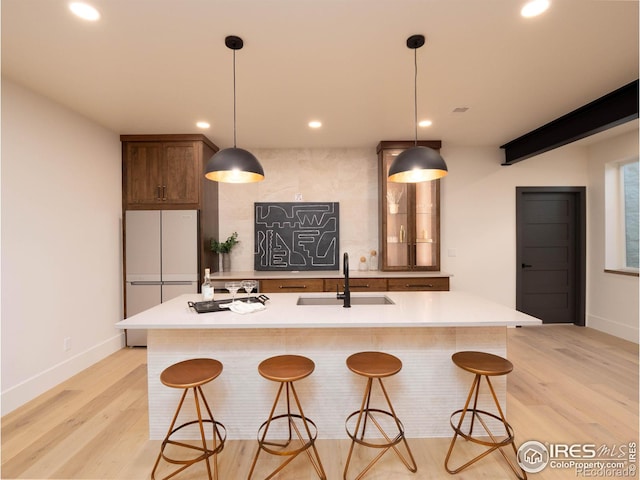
{"points": [[345, 175]]}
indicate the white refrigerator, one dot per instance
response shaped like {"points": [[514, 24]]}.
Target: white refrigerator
{"points": [[161, 260]]}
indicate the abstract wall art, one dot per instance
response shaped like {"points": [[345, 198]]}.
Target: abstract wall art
{"points": [[293, 236]]}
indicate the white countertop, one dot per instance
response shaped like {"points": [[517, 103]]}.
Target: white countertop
{"points": [[353, 273], [410, 309]]}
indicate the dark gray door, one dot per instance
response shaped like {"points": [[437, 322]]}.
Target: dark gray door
{"points": [[550, 233]]}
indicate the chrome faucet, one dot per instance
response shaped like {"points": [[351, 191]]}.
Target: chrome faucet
{"points": [[346, 295]]}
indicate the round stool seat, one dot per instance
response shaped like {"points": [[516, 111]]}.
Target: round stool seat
{"points": [[286, 368], [482, 363], [191, 373], [374, 364]]}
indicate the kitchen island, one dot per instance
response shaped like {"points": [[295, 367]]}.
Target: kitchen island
{"points": [[423, 329]]}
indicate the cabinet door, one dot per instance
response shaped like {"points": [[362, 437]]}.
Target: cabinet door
{"points": [[440, 284], [425, 236], [144, 172], [181, 173], [289, 285], [409, 217], [396, 223], [356, 284]]}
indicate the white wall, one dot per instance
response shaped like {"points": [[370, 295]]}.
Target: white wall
{"points": [[60, 245], [612, 298], [479, 212]]}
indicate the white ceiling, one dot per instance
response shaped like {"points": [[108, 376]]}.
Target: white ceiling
{"points": [[158, 66]]}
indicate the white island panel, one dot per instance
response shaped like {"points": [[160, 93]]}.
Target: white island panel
{"points": [[423, 393]]}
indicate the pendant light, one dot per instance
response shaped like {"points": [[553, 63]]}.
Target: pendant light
{"points": [[234, 165], [417, 164]]}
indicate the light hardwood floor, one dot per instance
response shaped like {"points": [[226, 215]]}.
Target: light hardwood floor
{"points": [[569, 385]]}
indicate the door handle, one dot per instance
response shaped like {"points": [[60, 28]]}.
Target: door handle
{"points": [[525, 265]]}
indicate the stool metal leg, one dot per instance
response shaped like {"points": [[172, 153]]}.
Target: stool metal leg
{"points": [[261, 440], [494, 444], [218, 439], [515, 469], [307, 443], [366, 408], [217, 447], [364, 414], [166, 438], [204, 440], [317, 466], [367, 394]]}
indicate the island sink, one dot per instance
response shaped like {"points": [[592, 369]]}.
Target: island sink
{"points": [[355, 300]]}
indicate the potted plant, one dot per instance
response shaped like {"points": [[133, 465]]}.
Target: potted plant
{"points": [[224, 248]]}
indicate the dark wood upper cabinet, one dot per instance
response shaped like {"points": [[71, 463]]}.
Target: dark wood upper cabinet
{"points": [[409, 215], [163, 174]]}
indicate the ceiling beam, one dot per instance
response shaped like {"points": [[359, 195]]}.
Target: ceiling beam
{"points": [[611, 110]]}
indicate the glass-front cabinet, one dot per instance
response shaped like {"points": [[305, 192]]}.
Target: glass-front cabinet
{"points": [[409, 215]]}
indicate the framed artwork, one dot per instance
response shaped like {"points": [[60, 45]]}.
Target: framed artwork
{"points": [[294, 236]]}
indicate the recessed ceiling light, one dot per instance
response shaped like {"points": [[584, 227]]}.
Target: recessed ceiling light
{"points": [[534, 8], [202, 125], [84, 11], [425, 123], [315, 124]]}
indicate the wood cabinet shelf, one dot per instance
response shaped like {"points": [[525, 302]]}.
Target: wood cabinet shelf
{"points": [[409, 216]]}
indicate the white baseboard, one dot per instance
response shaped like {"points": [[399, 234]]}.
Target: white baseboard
{"points": [[29, 389], [611, 327]]}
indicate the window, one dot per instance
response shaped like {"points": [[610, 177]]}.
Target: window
{"points": [[622, 217], [629, 182]]}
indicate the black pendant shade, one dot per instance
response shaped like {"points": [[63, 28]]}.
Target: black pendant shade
{"points": [[417, 164], [234, 165]]}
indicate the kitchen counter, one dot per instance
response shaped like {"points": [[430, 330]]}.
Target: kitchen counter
{"points": [[423, 329], [410, 309]]}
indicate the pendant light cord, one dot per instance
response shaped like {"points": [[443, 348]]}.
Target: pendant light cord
{"points": [[234, 99], [415, 94]]}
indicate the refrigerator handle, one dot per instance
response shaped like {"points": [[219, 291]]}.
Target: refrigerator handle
{"points": [[177, 282], [145, 282]]}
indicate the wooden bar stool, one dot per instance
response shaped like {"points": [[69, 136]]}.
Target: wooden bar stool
{"points": [[191, 375], [376, 365], [482, 365], [287, 369]]}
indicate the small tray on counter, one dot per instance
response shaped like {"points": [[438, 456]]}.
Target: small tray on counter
{"points": [[222, 305]]}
